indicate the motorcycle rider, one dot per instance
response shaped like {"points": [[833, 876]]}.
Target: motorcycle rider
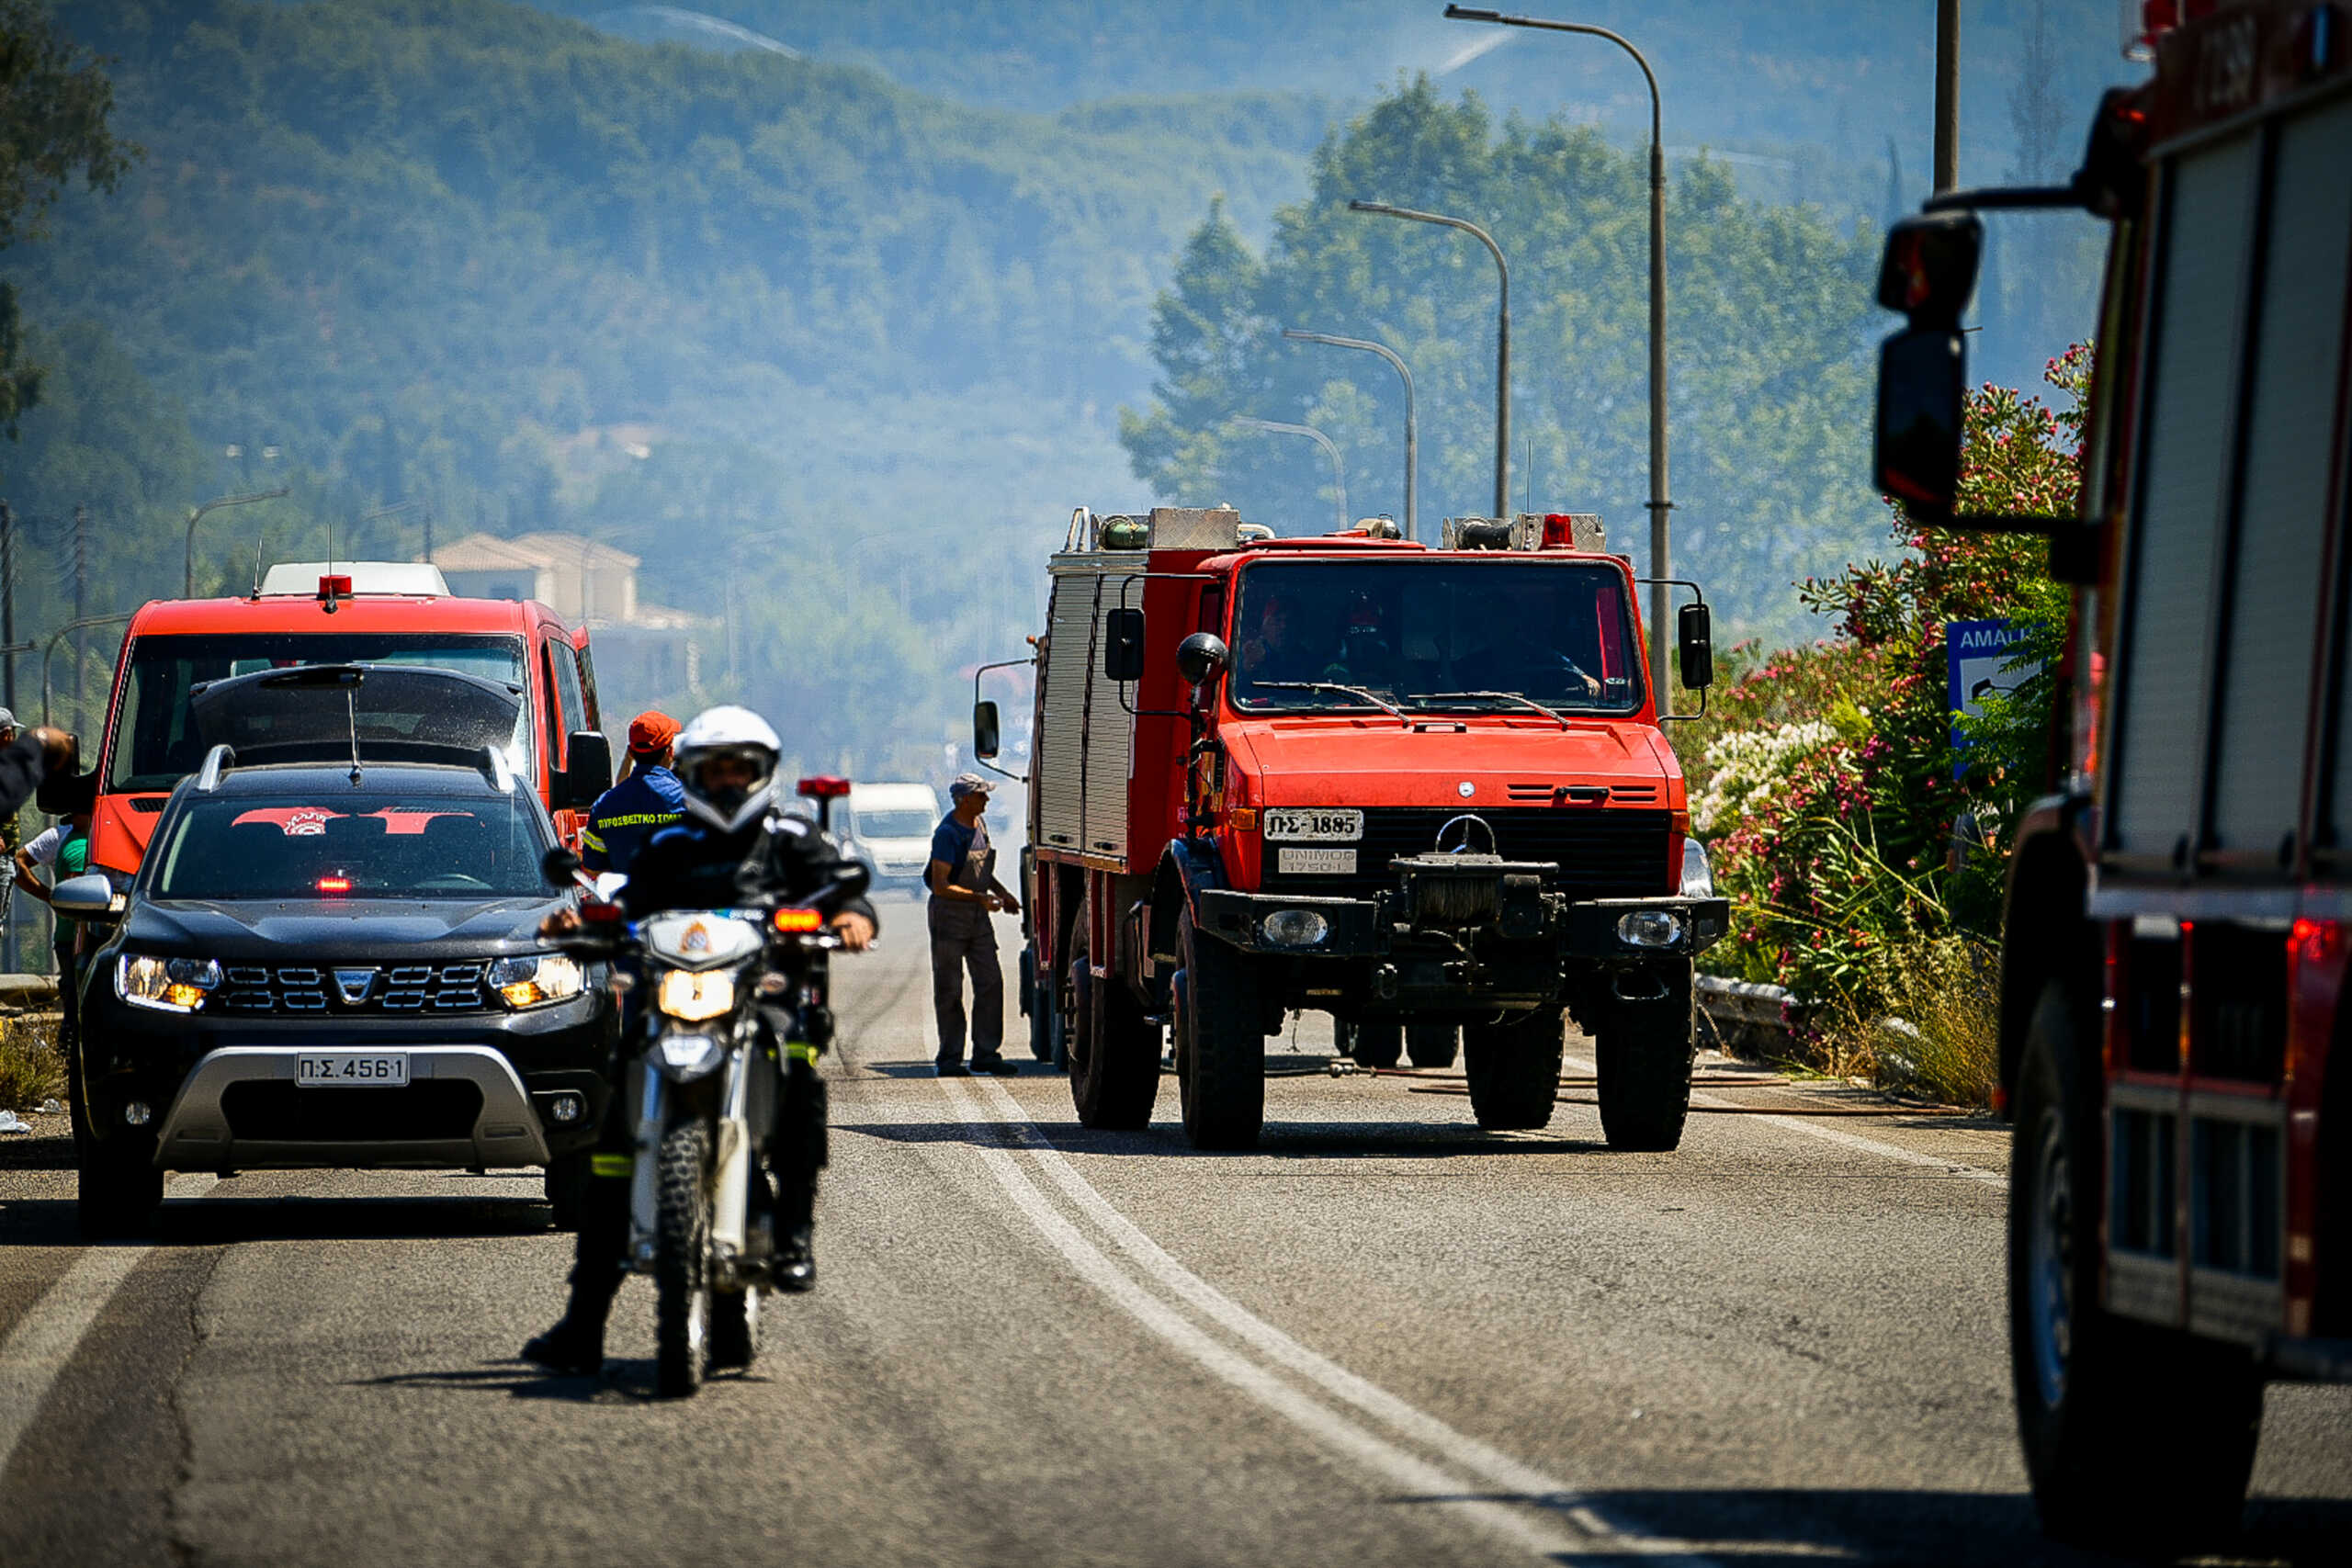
{"points": [[734, 847]]}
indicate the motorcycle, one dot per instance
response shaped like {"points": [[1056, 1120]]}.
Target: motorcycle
{"points": [[728, 992]]}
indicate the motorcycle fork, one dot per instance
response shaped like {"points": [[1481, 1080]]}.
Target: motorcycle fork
{"points": [[736, 1154], [652, 1115]]}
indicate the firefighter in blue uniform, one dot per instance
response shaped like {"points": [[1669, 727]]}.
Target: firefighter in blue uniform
{"points": [[648, 799]]}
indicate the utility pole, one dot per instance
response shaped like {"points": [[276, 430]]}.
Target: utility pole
{"points": [[1947, 94], [81, 596], [8, 603]]}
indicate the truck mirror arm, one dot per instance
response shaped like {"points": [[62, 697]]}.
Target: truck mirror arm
{"points": [[999, 664]]}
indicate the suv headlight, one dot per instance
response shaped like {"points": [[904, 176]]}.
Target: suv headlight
{"points": [[692, 996], [167, 985], [534, 980]]}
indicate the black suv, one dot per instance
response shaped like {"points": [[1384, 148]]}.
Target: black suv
{"points": [[334, 966]]}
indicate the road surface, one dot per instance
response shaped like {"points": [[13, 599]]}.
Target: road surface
{"points": [[1382, 1338]]}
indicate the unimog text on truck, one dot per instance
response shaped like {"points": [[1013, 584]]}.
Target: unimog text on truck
{"points": [[1412, 788], [2179, 912]]}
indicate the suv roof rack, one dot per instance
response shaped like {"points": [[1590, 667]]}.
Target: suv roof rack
{"points": [[218, 761]]}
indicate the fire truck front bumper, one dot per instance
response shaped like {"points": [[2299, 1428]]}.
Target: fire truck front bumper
{"points": [[1521, 918]]}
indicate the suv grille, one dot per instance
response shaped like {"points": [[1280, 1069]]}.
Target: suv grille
{"points": [[1601, 853], [295, 988]]}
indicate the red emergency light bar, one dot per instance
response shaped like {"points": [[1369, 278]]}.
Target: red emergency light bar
{"points": [[824, 786]]}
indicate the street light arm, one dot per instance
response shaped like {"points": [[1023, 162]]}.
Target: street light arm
{"points": [[1412, 418], [187, 586], [1331, 449], [1476, 14], [1385, 210]]}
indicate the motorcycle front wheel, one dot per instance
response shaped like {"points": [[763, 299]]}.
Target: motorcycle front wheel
{"points": [[735, 1328], [681, 1261]]}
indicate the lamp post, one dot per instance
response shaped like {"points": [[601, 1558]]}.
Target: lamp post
{"points": [[1339, 469], [1412, 427], [1660, 504], [1503, 334], [188, 587]]}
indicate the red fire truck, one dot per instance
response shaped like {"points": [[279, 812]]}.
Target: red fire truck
{"points": [[2179, 912], [1417, 789]]}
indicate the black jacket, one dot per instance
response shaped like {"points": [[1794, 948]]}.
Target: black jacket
{"points": [[696, 867]]}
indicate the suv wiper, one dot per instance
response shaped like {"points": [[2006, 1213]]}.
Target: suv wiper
{"points": [[1358, 692], [1521, 698]]}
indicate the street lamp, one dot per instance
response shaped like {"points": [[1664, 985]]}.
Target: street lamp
{"points": [[188, 587], [1502, 335], [1339, 469], [1659, 502], [1412, 427]]}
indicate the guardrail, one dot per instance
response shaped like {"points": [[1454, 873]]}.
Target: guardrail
{"points": [[1747, 1018]]}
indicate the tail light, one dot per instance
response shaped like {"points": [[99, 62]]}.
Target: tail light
{"points": [[793, 922], [824, 786]]}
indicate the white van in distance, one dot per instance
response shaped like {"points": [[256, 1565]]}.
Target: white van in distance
{"points": [[890, 826]]}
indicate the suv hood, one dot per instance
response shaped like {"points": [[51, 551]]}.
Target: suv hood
{"points": [[1358, 760], [296, 930]]}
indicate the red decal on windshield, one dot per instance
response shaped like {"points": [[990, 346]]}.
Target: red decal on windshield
{"points": [[294, 821], [397, 821]]}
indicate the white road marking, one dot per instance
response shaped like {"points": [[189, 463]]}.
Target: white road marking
{"points": [[52, 1328], [1839, 1137], [1541, 1534]]}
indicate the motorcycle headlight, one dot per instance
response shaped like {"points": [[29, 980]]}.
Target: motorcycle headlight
{"points": [[167, 985], [534, 979], [692, 996], [684, 1056]]}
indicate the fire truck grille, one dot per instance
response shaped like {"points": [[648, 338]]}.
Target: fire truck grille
{"points": [[1600, 854]]}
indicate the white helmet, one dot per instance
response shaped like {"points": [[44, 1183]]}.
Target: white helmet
{"points": [[724, 733]]}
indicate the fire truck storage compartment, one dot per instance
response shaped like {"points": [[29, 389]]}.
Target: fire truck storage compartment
{"points": [[1086, 753], [2223, 597]]}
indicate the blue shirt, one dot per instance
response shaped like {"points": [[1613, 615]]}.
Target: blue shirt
{"points": [[627, 815], [951, 842]]}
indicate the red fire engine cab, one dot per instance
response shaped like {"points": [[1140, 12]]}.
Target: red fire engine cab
{"points": [[1422, 790], [2179, 910]]}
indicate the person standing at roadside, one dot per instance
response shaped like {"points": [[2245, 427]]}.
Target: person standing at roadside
{"points": [[648, 799], [66, 848], [964, 893]]}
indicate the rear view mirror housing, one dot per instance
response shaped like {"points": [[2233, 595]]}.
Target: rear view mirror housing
{"points": [[986, 731], [1929, 268], [1201, 658], [1922, 399], [1696, 648], [591, 773], [1122, 645], [87, 897]]}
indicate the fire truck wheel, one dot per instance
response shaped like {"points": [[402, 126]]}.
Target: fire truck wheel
{"points": [[1643, 1051], [1514, 1070], [2134, 1434], [1044, 1016], [1220, 1049], [1375, 1044], [1114, 1051], [1432, 1044]]}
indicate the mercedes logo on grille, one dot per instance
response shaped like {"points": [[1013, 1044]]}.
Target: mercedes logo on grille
{"points": [[1465, 789], [354, 985]]}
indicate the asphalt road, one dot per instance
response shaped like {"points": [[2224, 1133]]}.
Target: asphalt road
{"points": [[1382, 1338]]}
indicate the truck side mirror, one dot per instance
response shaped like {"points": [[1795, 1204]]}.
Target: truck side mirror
{"points": [[1122, 645], [560, 866], [1922, 380], [985, 730], [1928, 270], [1697, 649], [1200, 658], [591, 773]]}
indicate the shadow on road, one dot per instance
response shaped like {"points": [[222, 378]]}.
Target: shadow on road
{"points": [[213, 1221], [1286, 1140], [622, 1381], [1946, 1529]]}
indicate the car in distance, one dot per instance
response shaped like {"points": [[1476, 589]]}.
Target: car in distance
{"points": [[890, 827], [334, 964]]}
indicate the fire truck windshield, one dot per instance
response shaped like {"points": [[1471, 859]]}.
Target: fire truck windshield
{"points": [[1428, 636], [156, 741]]}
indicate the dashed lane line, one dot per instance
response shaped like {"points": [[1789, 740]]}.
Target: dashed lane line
{"points": [[52, 1328]]}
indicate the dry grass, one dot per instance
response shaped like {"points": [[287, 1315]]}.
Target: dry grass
{"points": [[1942, 1040], [30, 1068]]}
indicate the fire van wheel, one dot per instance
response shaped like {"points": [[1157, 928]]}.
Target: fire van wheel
{"points": [[118, 1187], [681, 1261], [1514, 1070], [1432, 1044], [1220, 1044], [1644, 1050], [1114, 1051], [2134, 1434], [1377, 1045]]}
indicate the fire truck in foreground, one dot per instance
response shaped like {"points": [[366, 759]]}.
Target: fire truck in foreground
{"points": [[2179, 912], [1412, 788]]}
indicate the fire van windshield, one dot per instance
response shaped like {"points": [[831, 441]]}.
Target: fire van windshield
{"points": [[157, 741], [1434, 637]]}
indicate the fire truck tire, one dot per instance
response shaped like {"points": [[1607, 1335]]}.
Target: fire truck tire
{"points": [[1432, 1044], [1643, 1051], [1114, 1052], [1514, 1070], [2134, 1434], [1220, 1047], [1375, 1044], [1044, 1016]]}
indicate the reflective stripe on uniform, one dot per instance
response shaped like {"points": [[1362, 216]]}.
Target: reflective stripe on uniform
{"points": [[611, 1165], [801, 1051], [588, 837], [642, 819]]}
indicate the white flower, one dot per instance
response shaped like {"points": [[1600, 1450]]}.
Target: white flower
{"points": [[1744, 768]]}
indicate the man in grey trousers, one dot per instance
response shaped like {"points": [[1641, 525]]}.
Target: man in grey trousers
{"points": [[964, 893]]}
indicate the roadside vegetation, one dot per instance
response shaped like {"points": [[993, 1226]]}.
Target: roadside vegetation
{"points": [[1865, 852], [30, 1068]]}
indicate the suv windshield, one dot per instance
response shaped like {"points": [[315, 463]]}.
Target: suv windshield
{"points": [[381, 713], [156, 739], [356, 844], [1426, 636]]}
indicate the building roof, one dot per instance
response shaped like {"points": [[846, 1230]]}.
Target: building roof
{"points": [[571, 550], [487, 552]]}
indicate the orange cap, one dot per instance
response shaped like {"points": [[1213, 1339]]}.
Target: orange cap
{"points": [[651, 732]]}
